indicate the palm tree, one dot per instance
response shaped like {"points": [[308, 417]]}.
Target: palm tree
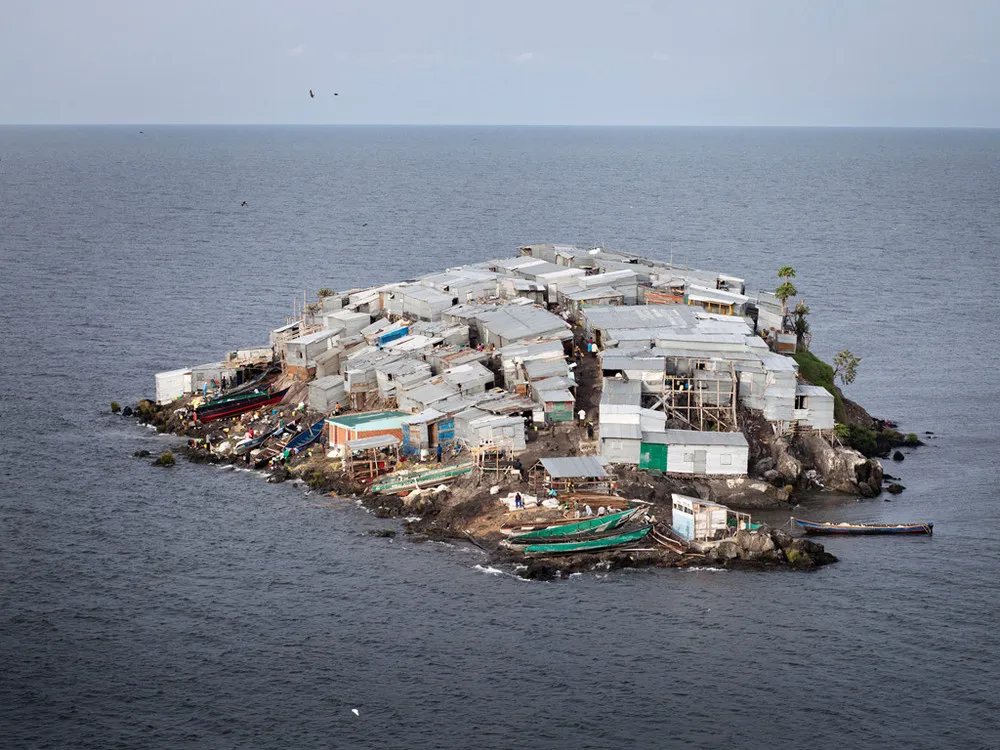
{"points": [[785, 291], [801, 327]]}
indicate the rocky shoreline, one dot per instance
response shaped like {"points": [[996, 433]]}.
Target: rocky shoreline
{"points": [[466, 511]]}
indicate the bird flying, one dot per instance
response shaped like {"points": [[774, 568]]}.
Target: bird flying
{"points": [[311, 94]]}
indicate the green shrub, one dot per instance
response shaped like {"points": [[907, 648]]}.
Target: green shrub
{"points": [[863, 439], [912, 439], [842, 432], [166, 459], [115, 407]]}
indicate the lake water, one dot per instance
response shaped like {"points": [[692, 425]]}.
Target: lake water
{"points": [[204, 608]]}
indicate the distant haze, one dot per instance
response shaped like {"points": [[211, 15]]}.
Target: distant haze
{"points": [[582, 62]]}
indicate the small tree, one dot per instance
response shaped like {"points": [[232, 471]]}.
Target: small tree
{"points": [[785, 291], [845, 366], [325, 292], [801, 327]]}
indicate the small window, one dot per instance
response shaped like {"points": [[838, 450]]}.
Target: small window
{"points": [[689, 457], [727, 459], [801, 402]]}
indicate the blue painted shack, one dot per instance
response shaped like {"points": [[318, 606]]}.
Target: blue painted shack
{"points": [[424, 432]]}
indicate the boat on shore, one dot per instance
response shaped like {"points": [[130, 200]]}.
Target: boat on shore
{"points": [[862, 529], [587, 545], [578, 530], [407, 481], [307, 437], [230, 407]]}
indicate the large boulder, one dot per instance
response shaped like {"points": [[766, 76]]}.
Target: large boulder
{"points": [[763, 466], [784, 462], [842, 469], [742, 493]]}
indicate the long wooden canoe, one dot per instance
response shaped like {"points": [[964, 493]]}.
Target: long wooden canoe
{"points": [[567, 531], [862, 529], [590, 545], [237, 405]]}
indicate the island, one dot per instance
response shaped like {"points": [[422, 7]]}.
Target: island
{"points": [[567, 409]]}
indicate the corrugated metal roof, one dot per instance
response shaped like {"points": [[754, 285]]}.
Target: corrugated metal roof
{"points": [[377, 441], [558, 396], [546, 368], [602, 292], [312, 338], [431, 392], [615, 431], [574, 466], [522, 322], [694, 437], [427, 415], [625, 393], [813, 391]]}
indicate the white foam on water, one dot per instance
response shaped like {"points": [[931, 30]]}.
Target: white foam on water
{"points": [[700, 569], [488, 569]]}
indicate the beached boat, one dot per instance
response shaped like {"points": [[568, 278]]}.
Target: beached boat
{"points": [[403, 482], [230, 407], [248, 444], [307, 437], [820, 527], [587, 528], [588, 545]]}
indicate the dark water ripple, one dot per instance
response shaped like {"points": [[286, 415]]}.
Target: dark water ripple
{"points": [[205, 608]]}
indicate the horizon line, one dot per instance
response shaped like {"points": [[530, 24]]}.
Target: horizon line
{"points": [[490, 125]]}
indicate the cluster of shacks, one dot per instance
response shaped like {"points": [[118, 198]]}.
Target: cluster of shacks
{"points": [[475, 354]]}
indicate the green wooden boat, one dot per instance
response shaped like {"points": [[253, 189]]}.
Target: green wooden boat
{"points": [[565, 532], [408, 481], [590, 545]]}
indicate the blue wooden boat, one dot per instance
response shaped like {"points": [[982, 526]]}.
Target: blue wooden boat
{"points": [[863, 529], [306, 438]]}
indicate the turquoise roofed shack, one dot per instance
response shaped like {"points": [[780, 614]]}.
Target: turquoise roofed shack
{"points": [[342, 428]]}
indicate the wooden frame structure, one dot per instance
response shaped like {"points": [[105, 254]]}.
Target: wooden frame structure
{"points": [[368, 458], [697, 403], [496, 460]]}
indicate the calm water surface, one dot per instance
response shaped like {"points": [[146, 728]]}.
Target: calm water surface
{"points": [[204, 608]]}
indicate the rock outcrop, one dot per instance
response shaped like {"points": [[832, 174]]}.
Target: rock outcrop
{"points": [[841, 469], [769, 547]]}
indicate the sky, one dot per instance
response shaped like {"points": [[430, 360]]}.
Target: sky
{"points": [[919, 63]]}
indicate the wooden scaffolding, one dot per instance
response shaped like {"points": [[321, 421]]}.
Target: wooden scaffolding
{"points": [[702, 393]]}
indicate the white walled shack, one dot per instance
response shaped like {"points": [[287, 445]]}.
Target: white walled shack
{"points": [[400, 373], [418, 398], [202, 375], [624, 281], [515, 322], [448, 333], [696, 453], [476, 429], [620, 443], [701, 520], [301, 352], [770, 387], [621, 401], [471, 377], [354, 322], [813, 407], [466, 284], [328, 363], [324, 393], [359, 369], [172, 385], [418, 301]]}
